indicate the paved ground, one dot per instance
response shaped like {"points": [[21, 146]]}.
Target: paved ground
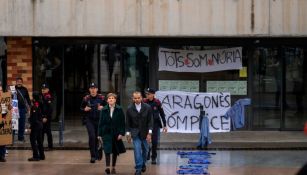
{"points": [[76, 162], [76, 138]]}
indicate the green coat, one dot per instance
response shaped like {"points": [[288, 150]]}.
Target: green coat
{"points": [[109, 128]]}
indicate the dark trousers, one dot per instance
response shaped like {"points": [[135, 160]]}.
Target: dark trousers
{"points": [[47, 130], [114, 155], [155, 141], [108, 159], [21, 123], [2, 152], [92, 131], [37, 143]]}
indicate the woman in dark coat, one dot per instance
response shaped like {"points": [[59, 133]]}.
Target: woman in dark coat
{"points": [[111, 130]]}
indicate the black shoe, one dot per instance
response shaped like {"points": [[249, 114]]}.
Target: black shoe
{"points": [[2, 159], [33, 159], [113, 171], [143, 168], [93, 159], [153, 161], [107, 171], [42, 158]]}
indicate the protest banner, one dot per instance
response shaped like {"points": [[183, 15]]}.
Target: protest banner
{"points": [[200, 61], [6, 120], [182, 110]]}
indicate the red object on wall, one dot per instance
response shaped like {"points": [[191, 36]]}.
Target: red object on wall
{"points": [[305, 128]]}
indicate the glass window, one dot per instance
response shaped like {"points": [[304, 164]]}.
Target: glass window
{"points": [[3, 70], [267, 82], [295, 78]]}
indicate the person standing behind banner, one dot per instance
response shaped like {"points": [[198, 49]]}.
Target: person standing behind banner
{"points": [[139, 127], [158, 122], [36, 129], [92, 105], [111, 129], [47, 114], [24, 103]]}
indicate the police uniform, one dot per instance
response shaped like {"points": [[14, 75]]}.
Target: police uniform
{"points": [[159, 122], [47, 113], [36, 126], [91, 120]]}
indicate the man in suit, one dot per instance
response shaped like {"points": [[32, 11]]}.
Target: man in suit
{"points": [[139, 127]]}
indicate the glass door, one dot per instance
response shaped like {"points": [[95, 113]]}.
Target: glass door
{"points": [[267, 84], [135, 72], [295, 88]]}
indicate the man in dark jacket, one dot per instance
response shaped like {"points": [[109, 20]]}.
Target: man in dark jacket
{"points": [[92, 105], [158, 122], [47, 114], [23, 107], [139, 127]]}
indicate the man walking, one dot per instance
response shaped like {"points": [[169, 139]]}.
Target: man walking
{"points": [[92, 105], [158, 122], [23, 107], [139, 128]]}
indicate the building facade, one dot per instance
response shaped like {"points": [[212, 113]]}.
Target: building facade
{"points": [[116, 43]]}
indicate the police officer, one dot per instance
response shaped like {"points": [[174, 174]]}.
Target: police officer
{"points": [[36, 129], [47, 114], [159, 122], [92, 105]]}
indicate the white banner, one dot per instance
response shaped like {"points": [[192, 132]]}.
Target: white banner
{"points": [[200, 61], [182, 110]]}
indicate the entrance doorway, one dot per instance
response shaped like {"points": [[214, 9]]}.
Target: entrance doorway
{"points": [[279, 88], [69, 69]]}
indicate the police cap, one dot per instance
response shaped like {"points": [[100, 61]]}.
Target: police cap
{"points": [[150, 90], [93, 85], [44, 86]]}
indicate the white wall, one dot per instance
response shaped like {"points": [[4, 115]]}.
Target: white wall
{"points": [[193, 18]]}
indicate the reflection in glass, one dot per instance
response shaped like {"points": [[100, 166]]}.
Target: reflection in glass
{"points": [[266, 87], [295, 115]]}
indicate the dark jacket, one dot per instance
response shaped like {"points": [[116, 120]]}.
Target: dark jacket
{"points": [[36, 119], [158, 112], [47, 106], [23, 97], [109, 128], [92, 102], [139, 123]]}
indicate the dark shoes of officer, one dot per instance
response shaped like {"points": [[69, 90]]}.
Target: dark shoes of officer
{"points": [[2, 159], [154, 161], [107, 171], [93, 159], [143, 168], [42, 158], [34, 159]]}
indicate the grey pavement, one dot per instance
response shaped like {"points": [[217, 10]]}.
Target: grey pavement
{"points": [[75, 137], [234, 162]]}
